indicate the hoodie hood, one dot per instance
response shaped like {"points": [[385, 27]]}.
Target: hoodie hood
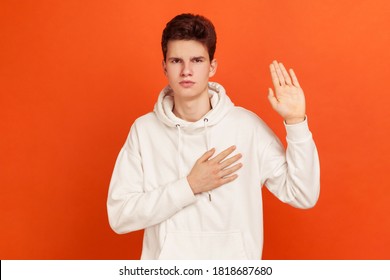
{"points": [[220, 103]]}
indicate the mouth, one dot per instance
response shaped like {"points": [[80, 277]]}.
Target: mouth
{"points": [[187, 84]]}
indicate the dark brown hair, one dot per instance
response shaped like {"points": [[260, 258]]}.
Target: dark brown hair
{"points": [[190, 27]]}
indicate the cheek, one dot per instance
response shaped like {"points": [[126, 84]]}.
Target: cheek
{"points": [[172, 71], [201, 70], [206, 72]]}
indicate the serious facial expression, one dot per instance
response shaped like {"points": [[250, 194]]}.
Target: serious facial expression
{"points": [[188, 68]]}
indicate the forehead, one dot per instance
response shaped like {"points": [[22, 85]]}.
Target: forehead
{"points": [[186, 48]]}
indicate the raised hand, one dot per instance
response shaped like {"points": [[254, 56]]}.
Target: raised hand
{"points": [[288, 99], [210, 173]]}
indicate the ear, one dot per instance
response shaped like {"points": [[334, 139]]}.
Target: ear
{"points": [[213, 67], [164, 66]]}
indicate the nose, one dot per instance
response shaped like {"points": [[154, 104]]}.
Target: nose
{"points": [[186, 70]]}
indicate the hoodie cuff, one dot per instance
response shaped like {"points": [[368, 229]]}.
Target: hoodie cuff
{"points": [[182, 194], [298, 132]]}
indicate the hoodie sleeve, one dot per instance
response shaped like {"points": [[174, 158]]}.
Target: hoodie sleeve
{"points": [[293, 175], [130, 207]]}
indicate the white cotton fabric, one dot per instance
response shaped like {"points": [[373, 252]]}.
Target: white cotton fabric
{"points": [[149, 189]]}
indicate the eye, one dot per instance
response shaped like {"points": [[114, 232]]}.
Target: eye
{"points": [[175, 60], [198, 60]]}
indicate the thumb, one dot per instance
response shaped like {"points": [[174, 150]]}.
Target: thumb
{"points": [[272, 99]]}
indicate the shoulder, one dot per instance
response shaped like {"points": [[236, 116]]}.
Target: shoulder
{"points": [[246, 116], [141, 126], [145, 120], [249, 121], [142, 123]]}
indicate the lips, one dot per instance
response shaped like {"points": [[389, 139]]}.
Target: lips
{"points": [[186, 83]]}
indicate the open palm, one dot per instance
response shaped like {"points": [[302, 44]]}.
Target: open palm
{"points": [[288, 99]]}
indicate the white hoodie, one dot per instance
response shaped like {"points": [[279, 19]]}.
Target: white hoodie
{"points": [[149, 188]]}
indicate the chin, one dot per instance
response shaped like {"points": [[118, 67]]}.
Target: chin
{"points": [[194, 90]]}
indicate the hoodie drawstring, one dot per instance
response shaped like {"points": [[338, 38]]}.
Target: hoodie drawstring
{"points": [[179, 147], [180, 163], [206, 130]]}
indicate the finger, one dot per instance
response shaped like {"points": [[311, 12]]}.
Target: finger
{"points": [[285, 74], [222, 155], [279, 72], [230, 170], [274, 76], [272, 99], [294, 78], [227, 179], [207, 155], [230, 161]]}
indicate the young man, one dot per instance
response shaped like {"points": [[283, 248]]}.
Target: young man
{"points": [[191, 171]]}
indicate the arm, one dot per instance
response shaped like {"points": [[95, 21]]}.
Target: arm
{"points": [[293, 176], [131, 207]]}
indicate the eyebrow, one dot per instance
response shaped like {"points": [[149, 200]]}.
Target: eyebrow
{"points": [[198, 57], [192, 58], [173, 57]]}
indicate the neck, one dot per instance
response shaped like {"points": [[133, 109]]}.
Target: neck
{"points": [[192, 110]]}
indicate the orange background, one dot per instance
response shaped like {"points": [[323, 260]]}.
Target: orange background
{"points": [[75, 74]]}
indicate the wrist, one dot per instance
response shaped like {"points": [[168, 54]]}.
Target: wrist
{"points": [[295, 120], [192, 185]]}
